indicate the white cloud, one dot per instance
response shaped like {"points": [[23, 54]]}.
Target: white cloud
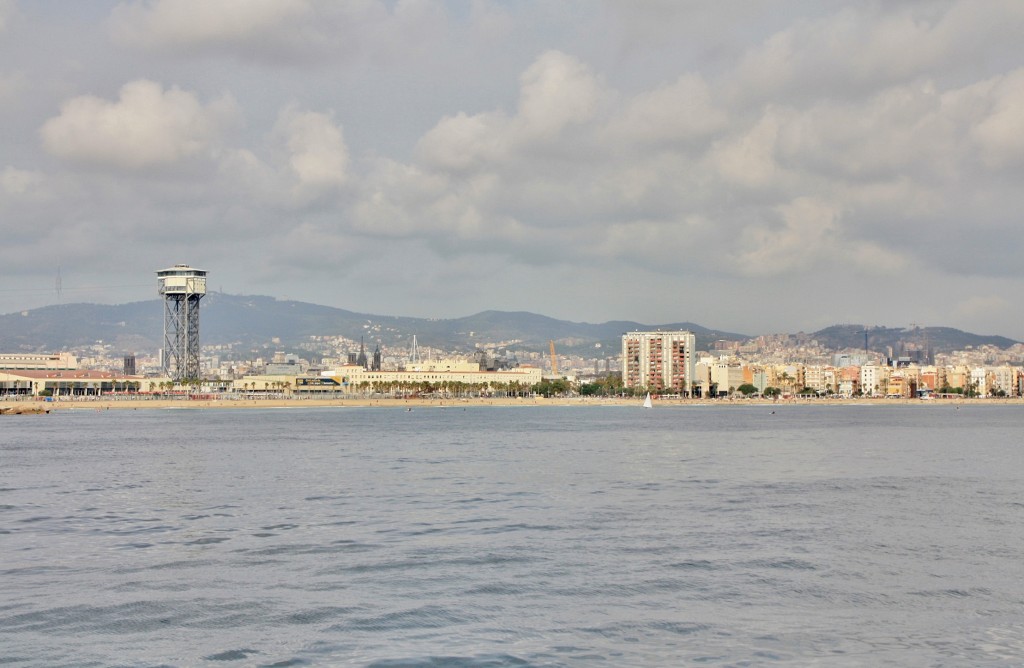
{"points": [[749, 159], [19, 181], [867, 45], [807, 231], [462, 142], [243, 176], [318, 156], [184, 23], [807, 238], [282, 32], [555, 91], [401, 200], [317, 244], [827, 184], [147, 126], [393, 197], [859, 139], [678, 112], [1001, 133], [660, 245]]}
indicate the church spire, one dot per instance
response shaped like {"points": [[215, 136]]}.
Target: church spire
{"points": [[361, 360]]}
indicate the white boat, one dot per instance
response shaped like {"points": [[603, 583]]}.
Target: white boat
{"points": [[647, 401]]}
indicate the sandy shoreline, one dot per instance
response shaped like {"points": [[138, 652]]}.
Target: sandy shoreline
{"points": [[256, 403]]}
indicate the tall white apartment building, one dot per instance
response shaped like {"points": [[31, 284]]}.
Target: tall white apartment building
{"points": [[659, 361], [979, 380], [873, 379]]}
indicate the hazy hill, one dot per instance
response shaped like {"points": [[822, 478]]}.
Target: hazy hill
{"points": [[255, 320], [939, 339]]}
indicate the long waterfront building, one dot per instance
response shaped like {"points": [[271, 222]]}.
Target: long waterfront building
{"points": [[356, 378]]}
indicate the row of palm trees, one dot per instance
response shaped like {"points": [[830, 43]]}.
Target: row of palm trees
{"points": [[395, 388], [446, 389], [276, 386], [191, 385], [187, 384], [443, 389]]}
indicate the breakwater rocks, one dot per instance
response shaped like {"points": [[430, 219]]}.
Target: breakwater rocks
{"points": [[23, 410]]}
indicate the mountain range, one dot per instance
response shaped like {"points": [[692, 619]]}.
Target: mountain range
{"points": [[260, 322]]}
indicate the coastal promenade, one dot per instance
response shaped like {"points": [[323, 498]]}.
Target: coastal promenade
{"points": [[125, 403]]}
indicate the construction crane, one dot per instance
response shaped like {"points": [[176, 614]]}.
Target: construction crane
{"points": [[554, 360]]}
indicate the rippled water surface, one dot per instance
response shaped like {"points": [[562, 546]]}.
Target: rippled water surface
{"points": [[535, 536]]}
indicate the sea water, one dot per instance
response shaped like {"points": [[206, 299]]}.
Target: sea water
{"points": [[532, 536]]}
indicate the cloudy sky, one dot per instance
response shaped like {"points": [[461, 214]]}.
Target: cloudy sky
{"points": [[767, 166]]}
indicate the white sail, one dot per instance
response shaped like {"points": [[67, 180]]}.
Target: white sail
{"points": [[647, 401]]}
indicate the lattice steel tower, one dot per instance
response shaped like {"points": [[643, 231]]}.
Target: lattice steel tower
{"points": [[182, 287]]}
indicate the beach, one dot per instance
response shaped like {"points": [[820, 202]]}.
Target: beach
{"points": [[148, 403]]}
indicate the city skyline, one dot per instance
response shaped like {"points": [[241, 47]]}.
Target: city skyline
{"points": [[783, 166]]}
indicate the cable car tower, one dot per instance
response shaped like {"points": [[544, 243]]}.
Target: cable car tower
{"points": [[181, 287]]}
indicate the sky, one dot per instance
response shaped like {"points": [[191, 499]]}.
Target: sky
{"points": [[754, 167]]}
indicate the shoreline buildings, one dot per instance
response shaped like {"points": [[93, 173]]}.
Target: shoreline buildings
{"points": [[664, 362], [359, 378]]}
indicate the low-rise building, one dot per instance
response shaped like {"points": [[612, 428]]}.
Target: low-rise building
{"points": [[789, 378], [726, 376], [1003, 379], [426, 377], [821, 379], [356, 378], [78, 382], [873, 379], [38, 361], [849, 381], [901, 384]]}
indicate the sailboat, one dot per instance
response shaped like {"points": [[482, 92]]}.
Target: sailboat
{"points": [[647, 401]]}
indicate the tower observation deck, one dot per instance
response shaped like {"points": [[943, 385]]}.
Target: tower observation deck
{"points": [[182, 287]]}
